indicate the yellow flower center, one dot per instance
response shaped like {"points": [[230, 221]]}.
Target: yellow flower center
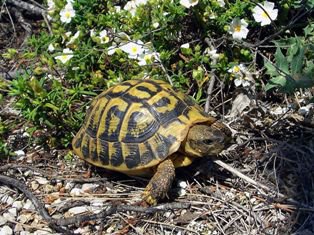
{"points": [[236, 69], [67, 14], [264, 15], [237, 28], [134, 50]]}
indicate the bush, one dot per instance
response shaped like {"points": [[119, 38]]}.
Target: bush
{"points": [[96, 44]]}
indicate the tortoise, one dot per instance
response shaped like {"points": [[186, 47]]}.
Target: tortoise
{"points": [[145, 128]]}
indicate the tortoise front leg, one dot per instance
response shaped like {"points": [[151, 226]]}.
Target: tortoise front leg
{"points": [[160, 184]]}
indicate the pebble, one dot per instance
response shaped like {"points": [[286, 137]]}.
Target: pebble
{"points": [[18, 205], [6, 199], [41, 180], [29, 205], [181, 192], [78, 210], [182, 184], [13, 211], [76, 192], [34, 185], [19, 153], [3, 220], [89, 187], [6, 230]]}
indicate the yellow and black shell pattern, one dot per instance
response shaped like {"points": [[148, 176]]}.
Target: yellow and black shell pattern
{"points": [[135, 125]]}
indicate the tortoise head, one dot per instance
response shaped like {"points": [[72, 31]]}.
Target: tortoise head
{"points": [[207, 140]]}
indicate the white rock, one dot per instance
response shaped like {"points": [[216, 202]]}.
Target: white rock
{"points": [[18, 205], [6, 230], [78, 210], [6, 199], [8, 216], [97, 203], [13, 211], [25, 134], [25, 233], [3, 220], [304, 110], [76, 192], [41, 180], [89, 187], [18, 228], [28, 173], [69, 186], [29, 205], [182, 184], [83, 230], [42, 232], [19, 153], [34, 185], [181, 192]]}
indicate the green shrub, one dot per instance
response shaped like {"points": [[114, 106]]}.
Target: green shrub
{"points": [[96, 44]]}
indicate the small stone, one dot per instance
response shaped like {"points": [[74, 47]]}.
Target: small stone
{"points": [[25, 134], [13, 211], [89, 187], [182, 184], [69, 186], [3, 220], [18, 228], [18, 205], [6, 230], [304, 110], [6, 199], [25, 233], [76, 192], [48, 188], [181, 192], [41, 180], [29, 205], [78, 210], [34, 185], [19, 153], [97, 203]]}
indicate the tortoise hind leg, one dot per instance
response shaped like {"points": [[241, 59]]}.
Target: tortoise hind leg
{"points": [[160, 183]]}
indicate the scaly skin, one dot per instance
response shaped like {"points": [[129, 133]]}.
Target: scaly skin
{"points": [[160, 183]]}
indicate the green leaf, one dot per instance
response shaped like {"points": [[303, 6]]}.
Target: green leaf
{"points": [[297, 62], [281, 61], [271, 69], [278, 81], [53, 107]]}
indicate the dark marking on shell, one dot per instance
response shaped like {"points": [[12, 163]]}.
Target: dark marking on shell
{"points": [[104, 153], [116, 158], [133, 159]]}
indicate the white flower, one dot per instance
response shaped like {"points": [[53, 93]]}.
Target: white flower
{"points": [[51, 5], [133, 49], [265, 13], [156, 25], [188, 3], [212, 54], [67, 13], [185, 45], [92, 33], [112, 49], [140, 2], [242, 81], [103, 35], [51, 48], [238, 28], [67, 55], [221, 3], [242, 75], [147, 58], [131, 7], [72, 39]]}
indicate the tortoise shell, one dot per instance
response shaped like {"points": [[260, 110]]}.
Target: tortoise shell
{"points": [[135, 125]]}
